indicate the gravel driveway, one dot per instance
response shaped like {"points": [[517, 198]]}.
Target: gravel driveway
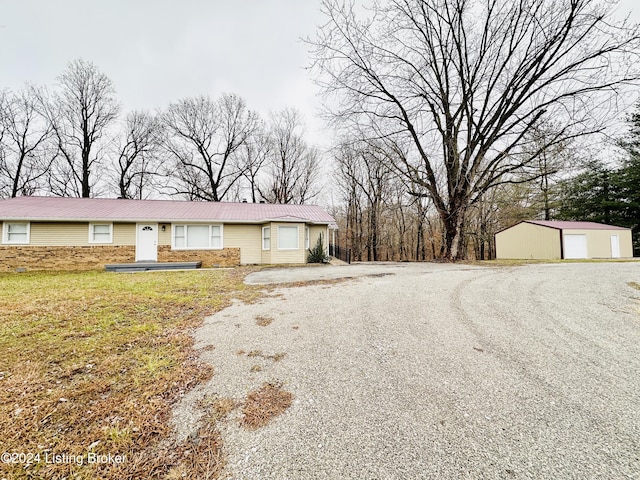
{"points": [[415, 371]]}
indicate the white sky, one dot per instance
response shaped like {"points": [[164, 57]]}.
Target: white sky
{"points": [[158, 51]]}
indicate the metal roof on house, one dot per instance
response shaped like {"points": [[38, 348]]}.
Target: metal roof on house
{"points": [[565, 225], [119, 210]]}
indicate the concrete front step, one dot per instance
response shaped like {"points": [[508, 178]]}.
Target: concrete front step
{"points": [[147, 266]]}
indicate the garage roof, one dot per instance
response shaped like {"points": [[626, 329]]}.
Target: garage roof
{"points": [[111, 209], [564, 225]]}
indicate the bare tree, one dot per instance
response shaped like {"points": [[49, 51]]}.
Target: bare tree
{"points": [[420, 206], [381, 216], [23, 144], [463, 82], [294, 165], [347, 177], [138, 155], [204, 137], [550, 159], [255, 155], [79, 113], [365, 172]]}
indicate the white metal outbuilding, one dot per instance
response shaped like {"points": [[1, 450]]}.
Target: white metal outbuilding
{"points": [[550, 239]]}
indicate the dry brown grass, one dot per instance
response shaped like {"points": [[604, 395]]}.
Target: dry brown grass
{"points": [[200, 455], [263, 404], [518, 263], [276, 357], [263, 321], [216, 408], [271, 290], [94, 361]]}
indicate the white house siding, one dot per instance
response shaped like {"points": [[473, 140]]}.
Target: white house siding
{"points": [[248, 238], [287, 256], [123, 233], [59, 234], [266, 256], [314, 233], [164, 238], [69, 234]]}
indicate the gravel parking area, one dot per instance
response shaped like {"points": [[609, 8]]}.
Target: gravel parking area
{"points": [[420, 371], [270, 276]]}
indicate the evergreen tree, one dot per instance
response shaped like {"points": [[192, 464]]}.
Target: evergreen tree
{"points": [[609, 194], [593, 195], [630, 178]]}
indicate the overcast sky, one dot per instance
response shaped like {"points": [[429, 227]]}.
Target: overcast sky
{"points": [[158, 51]]}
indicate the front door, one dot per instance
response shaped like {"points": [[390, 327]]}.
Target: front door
{"points": [[615, 246], [147, 242]]}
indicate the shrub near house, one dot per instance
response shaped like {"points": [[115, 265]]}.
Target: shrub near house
{"points": [[318, 254]]}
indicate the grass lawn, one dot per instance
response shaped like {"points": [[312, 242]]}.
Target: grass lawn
{"points": [[90, 365], [517, 263]]}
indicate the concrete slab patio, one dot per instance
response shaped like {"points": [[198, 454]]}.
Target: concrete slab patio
{"points": [[269, 276]]}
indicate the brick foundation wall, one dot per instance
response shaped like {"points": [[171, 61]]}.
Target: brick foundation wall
{"points": [[63, 258], [96, 257], [228, 257]]}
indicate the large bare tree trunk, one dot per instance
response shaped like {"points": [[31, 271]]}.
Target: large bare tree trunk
{"points": [[454, 239]]}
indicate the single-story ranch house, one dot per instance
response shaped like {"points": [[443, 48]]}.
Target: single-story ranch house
{"points": [[52, 233], [548, 240]]}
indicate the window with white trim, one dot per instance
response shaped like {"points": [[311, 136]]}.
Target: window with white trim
{"points": [[306, 238], [179, 236], [16, 232], [287, 238], [216, 236], [266, 238], [101, 233], [198, 237]]}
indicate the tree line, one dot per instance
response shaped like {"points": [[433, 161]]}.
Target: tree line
{"points": [[381, 217], [462, 103], [452, 118], [607, 192], [73, 140]]}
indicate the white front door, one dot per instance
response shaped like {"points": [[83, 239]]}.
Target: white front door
{"points": [[615, 246], [575, 246], [147, 242]]}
